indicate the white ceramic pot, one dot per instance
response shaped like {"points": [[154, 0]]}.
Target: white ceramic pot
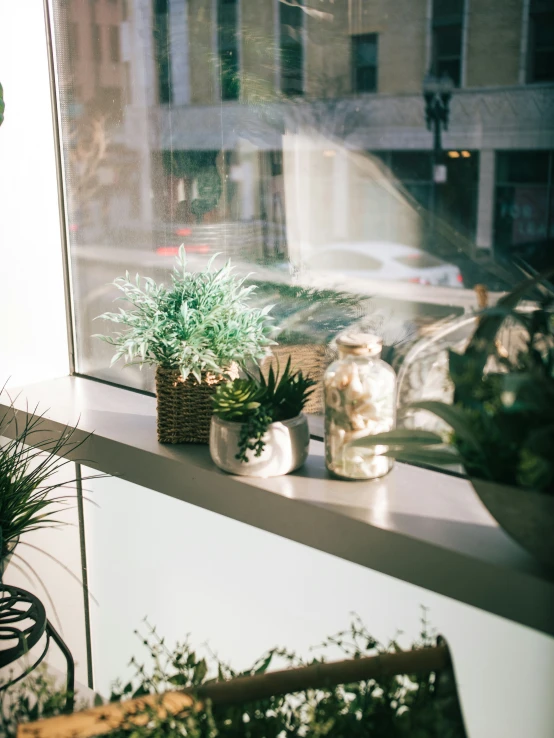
{"points": [[286, 448]]}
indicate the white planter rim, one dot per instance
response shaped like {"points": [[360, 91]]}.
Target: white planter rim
{"points": [[237, 424]]}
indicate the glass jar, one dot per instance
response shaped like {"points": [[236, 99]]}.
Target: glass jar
{"points": [[360, 394]]}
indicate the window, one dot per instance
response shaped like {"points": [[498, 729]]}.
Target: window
{"points": [[73, 40], [228, 49], [524, 206], [364, 63], [96, 42], [291, 19], [115, 55], [447, 26], [541, 41], [162, 50], [294, 171]]}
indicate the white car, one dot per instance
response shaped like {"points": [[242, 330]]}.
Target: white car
{"points": [[385, 261]]}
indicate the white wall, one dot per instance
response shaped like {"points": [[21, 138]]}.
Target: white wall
{"points": [[33, 337], [33, 342], [243, 591]]}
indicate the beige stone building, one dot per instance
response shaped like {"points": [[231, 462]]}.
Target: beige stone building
{"points": [[310, 116]]}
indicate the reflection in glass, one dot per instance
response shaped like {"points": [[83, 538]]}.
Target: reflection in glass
{"points": [[290, 135]]}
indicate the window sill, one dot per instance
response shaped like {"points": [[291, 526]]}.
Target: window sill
{"points": [[419, 526]]}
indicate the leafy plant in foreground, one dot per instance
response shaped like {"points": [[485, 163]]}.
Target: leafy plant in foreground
{"points": [[502, 416], [258, 401], [37, 696], [29, 459], [201, 323], [404, 706]]}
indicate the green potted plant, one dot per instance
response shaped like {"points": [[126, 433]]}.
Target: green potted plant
{"points": [[197, 332], [258, 428], [306, 320], [418, 697], [501, 419], [27, 480]]}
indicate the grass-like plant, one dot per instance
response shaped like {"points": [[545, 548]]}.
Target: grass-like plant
{"points": [[502, 415], [257, 401], [29, 461], [202, 322]]}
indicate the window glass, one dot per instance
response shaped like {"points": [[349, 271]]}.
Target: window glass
{"points": [[524, 215], [162, 50], [291, 19], [242, 127], [114, 44], [228, 49], [364, 50]]}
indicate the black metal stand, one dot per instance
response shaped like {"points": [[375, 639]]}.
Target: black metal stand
{"points": [[23, 621]]}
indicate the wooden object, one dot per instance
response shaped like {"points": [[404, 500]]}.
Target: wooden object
{"points": [[185, 408], [103, 720], [312, 359]]}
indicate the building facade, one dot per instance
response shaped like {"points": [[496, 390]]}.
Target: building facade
{"points": [[308, 119]]}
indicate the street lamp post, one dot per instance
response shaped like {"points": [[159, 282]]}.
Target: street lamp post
{"points": [[437, 92]]}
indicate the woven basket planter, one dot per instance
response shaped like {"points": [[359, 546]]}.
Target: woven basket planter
{"points": [[185, 407], [312, 358]]}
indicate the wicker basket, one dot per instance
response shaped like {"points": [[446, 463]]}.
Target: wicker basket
{"points": [[185, 407], [312, 358]]}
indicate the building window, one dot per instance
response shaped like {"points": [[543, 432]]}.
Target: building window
{"points": [[162, 51], [291, 26], [227, 41], [97, 42], [115, 55], [364, 63], [73, 40], [541, 41], [447, 32], [524, 206]]}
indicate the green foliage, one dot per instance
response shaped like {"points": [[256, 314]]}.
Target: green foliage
{"points": [[201, 166], [405, 706], [2, 105], [309, 315], [36, 697], [202, 322], [502, 418], [258, 401], [26, 472]]}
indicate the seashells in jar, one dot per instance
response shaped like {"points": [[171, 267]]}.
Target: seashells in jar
{"points": [[360, 393]]}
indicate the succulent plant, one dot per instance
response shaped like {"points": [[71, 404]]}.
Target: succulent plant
{"points": [[235, 400], [257, 401]]}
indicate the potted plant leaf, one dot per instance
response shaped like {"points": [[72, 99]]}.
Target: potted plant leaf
{"points": [[197, 332], [501, 419], [258, 428]]}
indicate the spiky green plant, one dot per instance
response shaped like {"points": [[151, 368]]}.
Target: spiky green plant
{"points": [[258, 401], [30, 458], [502, 417], [201, 323], [2, 105]]}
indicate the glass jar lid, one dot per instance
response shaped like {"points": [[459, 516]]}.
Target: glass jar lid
{"points": [[359, 344]]}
